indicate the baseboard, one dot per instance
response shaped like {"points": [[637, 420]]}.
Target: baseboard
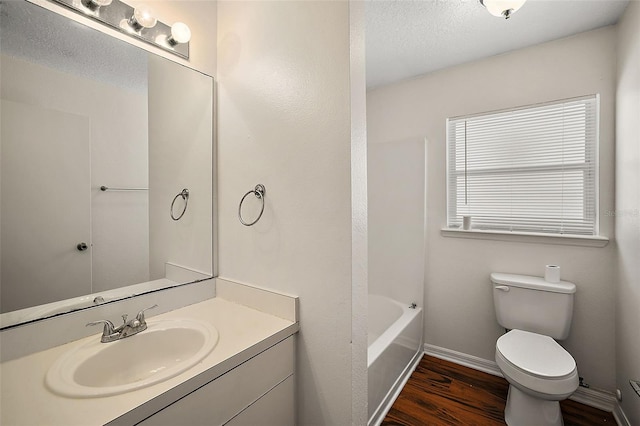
{"points": [[596, 398], [466, 360], [620, 417], [603, 400], [392, 395]]}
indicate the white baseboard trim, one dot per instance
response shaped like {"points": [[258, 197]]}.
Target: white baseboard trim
{"points": [[460, 358], [377, 417], [596, 398], [620, 416], [603, 400]]}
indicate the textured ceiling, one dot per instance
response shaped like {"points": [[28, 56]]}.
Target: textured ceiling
{"points": [[35, 34], [406, 38]]}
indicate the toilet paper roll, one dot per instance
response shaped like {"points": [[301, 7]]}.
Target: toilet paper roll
{"points": [[552, 274], [466, 222]]}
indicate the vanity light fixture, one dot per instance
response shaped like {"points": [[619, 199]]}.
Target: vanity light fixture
{"points": [[138, 22], [502, 8]]}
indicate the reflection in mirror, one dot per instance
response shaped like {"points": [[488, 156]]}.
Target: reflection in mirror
{"points": [[81, 110]]}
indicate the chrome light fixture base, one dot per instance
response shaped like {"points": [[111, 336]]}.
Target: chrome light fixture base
{"points": [[119, 15]]}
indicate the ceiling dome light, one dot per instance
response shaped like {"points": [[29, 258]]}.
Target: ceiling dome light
{"points": [[142, 18], [502, 8], [180, 33]]}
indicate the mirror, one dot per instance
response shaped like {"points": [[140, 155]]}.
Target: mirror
{"points": [[99, 139]]}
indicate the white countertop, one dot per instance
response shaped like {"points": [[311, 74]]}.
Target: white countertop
{"points": [[244, 332]]}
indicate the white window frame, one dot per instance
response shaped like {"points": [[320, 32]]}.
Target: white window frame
{"points": [[454, 228]]}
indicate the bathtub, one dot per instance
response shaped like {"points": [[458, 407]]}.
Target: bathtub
{"points": [[395, 346]]}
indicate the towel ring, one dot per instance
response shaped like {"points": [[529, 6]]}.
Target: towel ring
{"points": [[259, 192], [185, 196]]}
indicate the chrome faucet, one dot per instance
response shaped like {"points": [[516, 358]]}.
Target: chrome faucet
{"points": [[110, 333]]}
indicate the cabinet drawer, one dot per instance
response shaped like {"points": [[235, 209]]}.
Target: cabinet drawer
{"points": [[220, 400], [274, 409]]}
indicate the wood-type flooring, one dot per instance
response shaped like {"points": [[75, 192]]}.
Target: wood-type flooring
{"points": [[443, 393]]}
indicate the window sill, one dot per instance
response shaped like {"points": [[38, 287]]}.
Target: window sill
{"points": [[526, 237]]}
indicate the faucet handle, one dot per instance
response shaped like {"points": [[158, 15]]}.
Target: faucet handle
{"points": [[140, 316], [108, 329]]}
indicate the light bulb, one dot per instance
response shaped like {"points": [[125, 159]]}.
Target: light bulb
{"points": [[502, 8], [95, 4], [142, 18], [180, 33]]}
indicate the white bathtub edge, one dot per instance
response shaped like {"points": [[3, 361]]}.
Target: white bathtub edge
{"points": [[394, 392], [378, 347]]}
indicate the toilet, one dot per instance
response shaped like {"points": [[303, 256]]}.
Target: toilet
{"points": [[540, 372]]}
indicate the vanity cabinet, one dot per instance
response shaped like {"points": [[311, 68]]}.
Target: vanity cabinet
{"points": [[258, 391]]}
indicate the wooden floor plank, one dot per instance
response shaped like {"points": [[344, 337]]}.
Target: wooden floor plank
{"points": [[443, 393]]}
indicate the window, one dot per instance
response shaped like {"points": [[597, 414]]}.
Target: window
{"points": [[532, 169]]}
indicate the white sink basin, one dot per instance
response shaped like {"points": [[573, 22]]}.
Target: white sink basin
{"points": [[165, 349]]}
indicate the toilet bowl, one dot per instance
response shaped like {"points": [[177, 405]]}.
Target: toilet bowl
{"points": [[540, 373]]}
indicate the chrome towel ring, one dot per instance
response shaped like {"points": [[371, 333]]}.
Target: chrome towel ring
{"points": [[259, 192], [185, 196]]}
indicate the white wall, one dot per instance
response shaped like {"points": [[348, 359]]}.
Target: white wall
{"points": [[396, 175], [459, 311], [628, 209], [359, 219], [285, 121]]}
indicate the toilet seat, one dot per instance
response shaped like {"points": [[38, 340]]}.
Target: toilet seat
{"points": [[536, 354], [537, 365]]}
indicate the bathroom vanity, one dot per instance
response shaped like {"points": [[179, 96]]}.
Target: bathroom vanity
{"points": [[248, 377]]}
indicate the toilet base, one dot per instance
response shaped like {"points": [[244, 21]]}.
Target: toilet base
{"points": [[526, 410]]}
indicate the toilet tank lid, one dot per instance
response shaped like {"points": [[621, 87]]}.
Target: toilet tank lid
{"points": [[534, 283]]}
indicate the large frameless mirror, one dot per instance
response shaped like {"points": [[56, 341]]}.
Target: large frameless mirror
{"points": [[103, 146]]}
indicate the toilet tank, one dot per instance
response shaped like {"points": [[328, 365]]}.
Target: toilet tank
{"points": [[532, 304]]}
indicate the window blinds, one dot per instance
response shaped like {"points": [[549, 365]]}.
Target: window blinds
{"points": [[532, 169]]}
